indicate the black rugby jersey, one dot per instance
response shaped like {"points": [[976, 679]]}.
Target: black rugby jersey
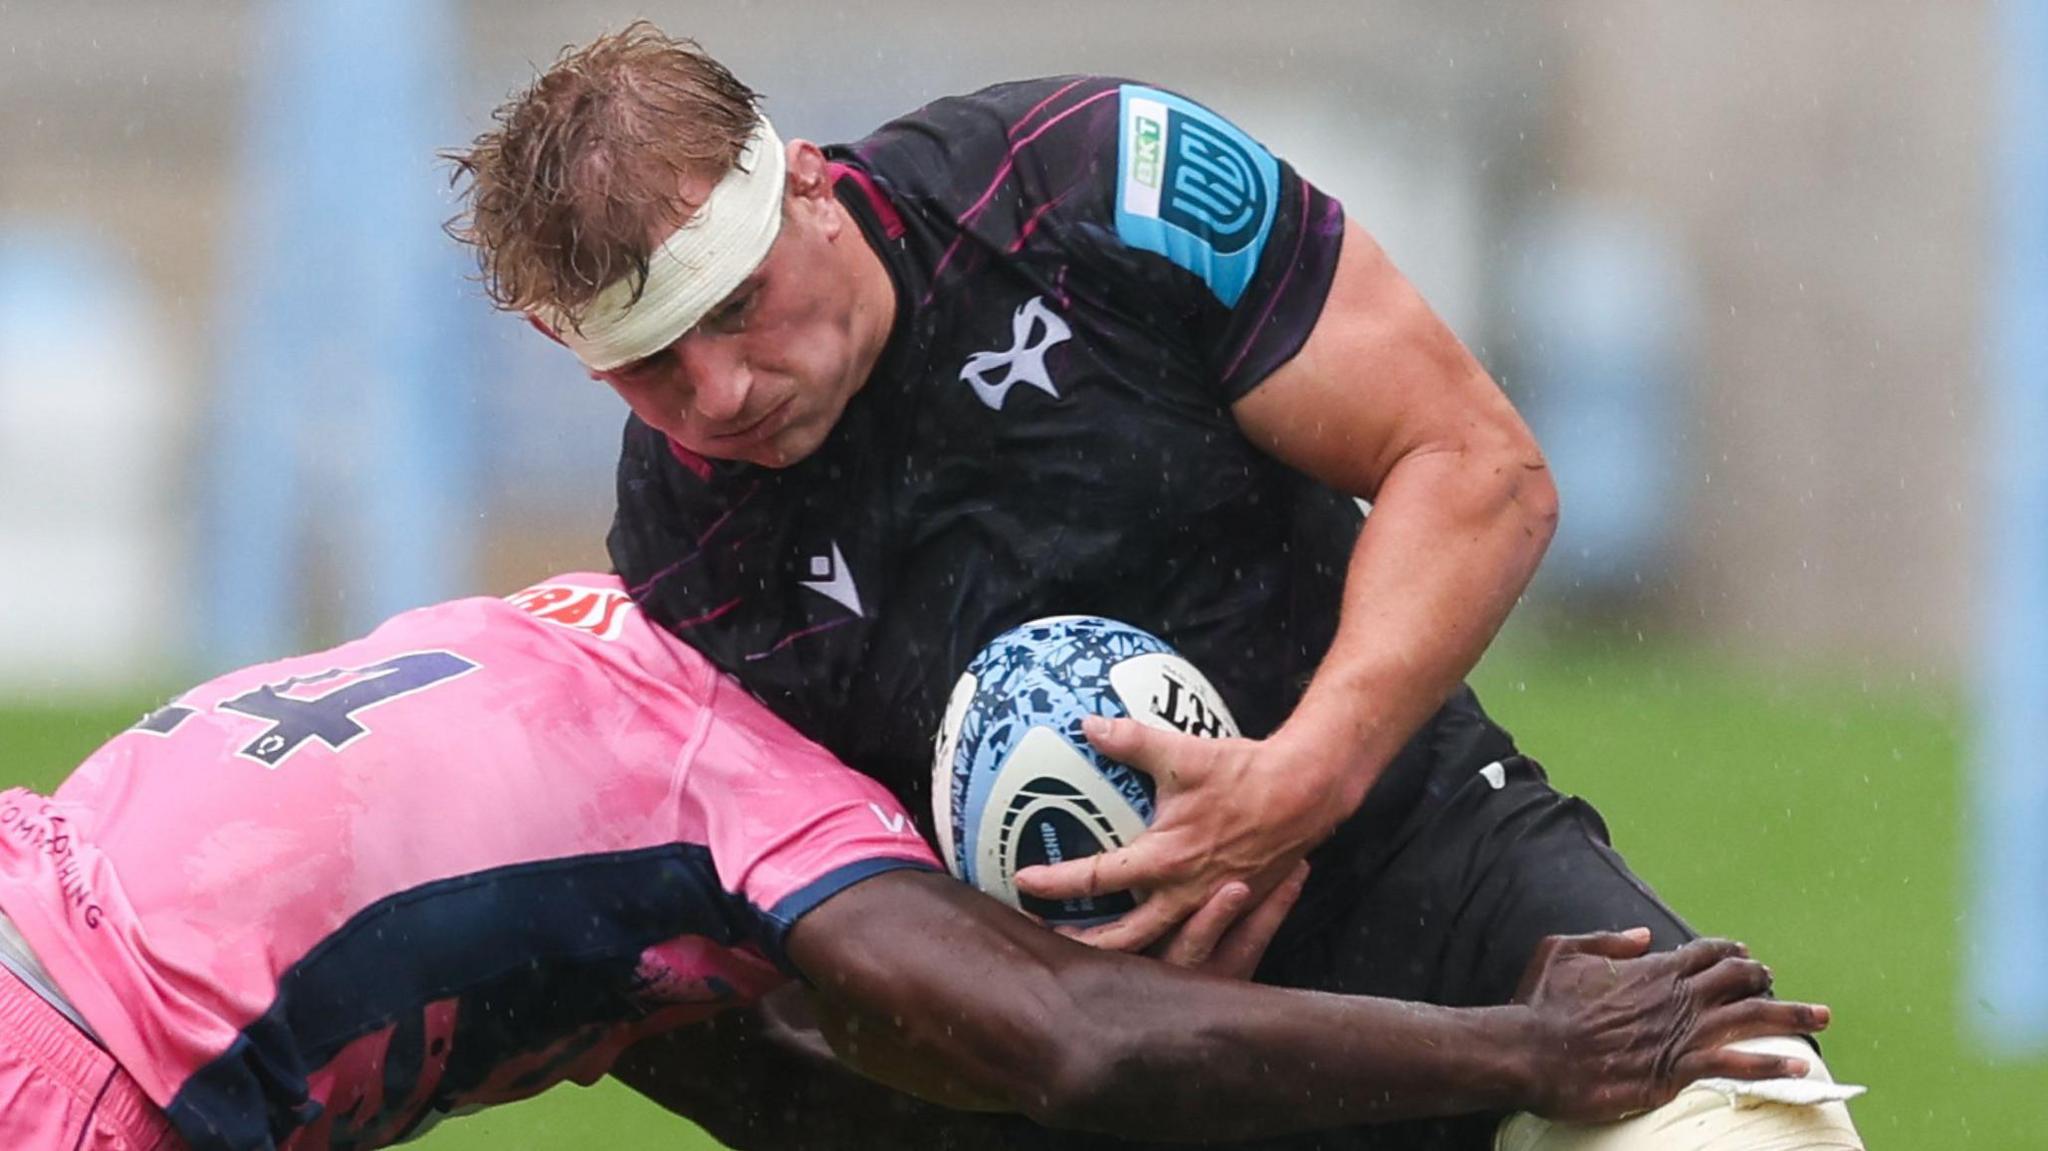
{"points": [[1088, 272]]}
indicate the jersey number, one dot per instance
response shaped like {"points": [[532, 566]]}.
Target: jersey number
{"points": [[330, 716]]}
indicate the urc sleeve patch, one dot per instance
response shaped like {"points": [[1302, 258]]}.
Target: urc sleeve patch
{"points": [[1193, 188]]}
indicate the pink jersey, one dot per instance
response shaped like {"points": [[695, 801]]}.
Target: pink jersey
{"points": [[321, 901]]}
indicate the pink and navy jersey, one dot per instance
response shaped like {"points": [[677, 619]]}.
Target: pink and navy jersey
{"points": [[319, 902]]}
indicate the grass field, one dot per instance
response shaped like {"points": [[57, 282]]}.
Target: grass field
{"points": [[1817, 817]]}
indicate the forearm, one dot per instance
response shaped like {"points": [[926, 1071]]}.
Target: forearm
{"points": [[1080, 1038], [1213, 1060], [1450, 545], [1225, 1065]]}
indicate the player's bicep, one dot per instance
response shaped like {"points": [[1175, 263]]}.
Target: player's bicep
{"points": [[1380, 377], [737, 1078], [877, 1048], [714, 1073], [964, 997], [742, 1078]]}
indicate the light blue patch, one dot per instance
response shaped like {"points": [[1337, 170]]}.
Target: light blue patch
{"points": [[1193, 188]]}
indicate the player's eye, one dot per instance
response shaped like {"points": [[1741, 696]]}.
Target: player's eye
{"points": [[732, 315], [644, 368]]}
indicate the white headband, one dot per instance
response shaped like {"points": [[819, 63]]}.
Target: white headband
{"points": [[698, 266]]}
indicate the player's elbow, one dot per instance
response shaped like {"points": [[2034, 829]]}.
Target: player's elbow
{"points": [[1086, 1086], [1513, 479], [1533, 494], [1098, 1068], [1061, 1059], [1492, 477]]}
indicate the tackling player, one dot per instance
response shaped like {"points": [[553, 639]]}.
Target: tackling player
{"points": [[1074, 344], [323, 902]]}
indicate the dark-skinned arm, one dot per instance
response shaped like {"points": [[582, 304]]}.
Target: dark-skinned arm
{"points": [[996, 1008], [764, 1078], [753, 1090]]}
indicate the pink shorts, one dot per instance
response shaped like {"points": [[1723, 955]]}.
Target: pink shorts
{"points": [[60, 1092]]}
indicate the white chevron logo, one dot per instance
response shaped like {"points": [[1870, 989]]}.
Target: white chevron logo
{"points": [[834, 581]]}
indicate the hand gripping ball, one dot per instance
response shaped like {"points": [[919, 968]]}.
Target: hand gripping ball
{"points": [[1015, 783]]}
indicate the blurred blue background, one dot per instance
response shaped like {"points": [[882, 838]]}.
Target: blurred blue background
{"points": [[1770, 281]]}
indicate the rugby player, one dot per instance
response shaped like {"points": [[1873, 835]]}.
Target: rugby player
{"points": [[322, 902], [1075, 344]]}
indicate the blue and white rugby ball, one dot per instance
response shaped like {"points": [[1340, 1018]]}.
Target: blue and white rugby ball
{"points": [[1015, 783]]}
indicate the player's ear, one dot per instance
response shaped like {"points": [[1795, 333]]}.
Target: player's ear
{"points": [[810, 187], [810, 174]]}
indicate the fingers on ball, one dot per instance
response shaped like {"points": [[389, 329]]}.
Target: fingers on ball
{"points": [[1700, 954], [1731, 980]]}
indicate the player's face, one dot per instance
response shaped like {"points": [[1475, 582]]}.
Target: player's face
{"points": [[767, 373]]}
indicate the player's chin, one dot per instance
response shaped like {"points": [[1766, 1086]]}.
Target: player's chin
{"points": [[792, 445], [788, 446]]}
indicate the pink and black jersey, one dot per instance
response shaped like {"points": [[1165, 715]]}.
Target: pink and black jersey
{"points": [[319, 902]]}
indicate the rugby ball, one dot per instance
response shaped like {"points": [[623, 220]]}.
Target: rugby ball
{"points": [[1015, 783]]}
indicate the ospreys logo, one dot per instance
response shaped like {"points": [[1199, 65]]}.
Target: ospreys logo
{"points": [[1034, 331], [1194, 189]]}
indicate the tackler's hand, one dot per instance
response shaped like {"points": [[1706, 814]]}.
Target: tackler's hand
{"points": [[1229, 811], [1617, 1032]]}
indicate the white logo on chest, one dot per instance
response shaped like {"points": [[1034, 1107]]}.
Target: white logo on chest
{"points": [[833, 581], [1034, 330]]}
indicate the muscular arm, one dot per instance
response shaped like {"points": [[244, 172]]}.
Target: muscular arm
{"points": [[995, 1008], [1075, 1037], [1384, 403]]}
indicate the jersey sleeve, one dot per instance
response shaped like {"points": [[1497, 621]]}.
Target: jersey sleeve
{"points": [[1129, 197], [789, 826], [1147, 203], [1244, 247]]}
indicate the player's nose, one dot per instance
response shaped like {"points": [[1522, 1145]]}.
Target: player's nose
{"points": [[719, 379]]}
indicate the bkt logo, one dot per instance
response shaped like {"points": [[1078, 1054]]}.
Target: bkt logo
{"points": [[1034, 330], [1212, 188], [1147, 140]]}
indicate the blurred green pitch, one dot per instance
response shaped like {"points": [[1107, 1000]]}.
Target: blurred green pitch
{"points": [[1816, 818]]}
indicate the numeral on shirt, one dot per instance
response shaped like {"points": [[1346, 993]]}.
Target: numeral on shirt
{"points": [[164, 720], [330, 717]]}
